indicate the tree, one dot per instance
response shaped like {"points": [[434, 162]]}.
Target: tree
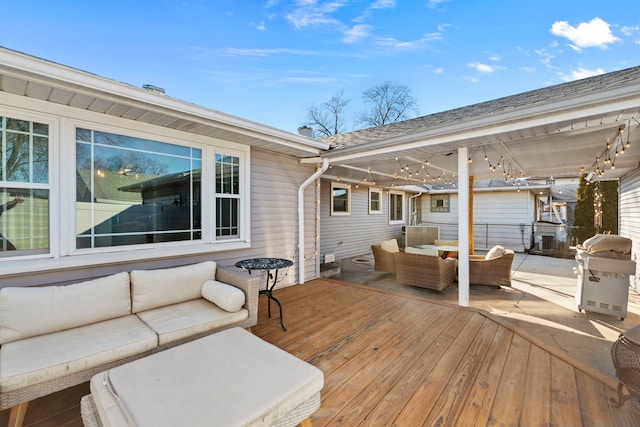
{"points": [[390, 102], [327, 118], [584, 223]]}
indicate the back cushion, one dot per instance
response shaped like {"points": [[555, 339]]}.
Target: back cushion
{"points": [[158, 288], [27, 312], [495, 252], [390, 245]]}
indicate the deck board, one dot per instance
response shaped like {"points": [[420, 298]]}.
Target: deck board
{"points": [[392, 359]]}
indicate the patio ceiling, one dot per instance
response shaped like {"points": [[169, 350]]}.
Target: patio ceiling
{"points": [[551, 132]]}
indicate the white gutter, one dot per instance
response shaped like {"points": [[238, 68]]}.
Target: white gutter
{"points": [[316, 175]]}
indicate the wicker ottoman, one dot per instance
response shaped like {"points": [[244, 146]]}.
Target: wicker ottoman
{"points": [[230, 378]]}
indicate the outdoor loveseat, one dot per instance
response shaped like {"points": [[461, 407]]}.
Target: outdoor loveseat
{"points": [[55, 337]]}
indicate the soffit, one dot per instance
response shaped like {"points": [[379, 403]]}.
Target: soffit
{"points": [[551, 132], [32, 77]]}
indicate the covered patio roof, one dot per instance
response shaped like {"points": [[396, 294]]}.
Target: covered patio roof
{"points": [[550, 132]]}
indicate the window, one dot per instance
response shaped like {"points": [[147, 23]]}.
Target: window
{"points": [[135, 191], [375, 201], [227, 197], [439, 203], [24, 187], [396, 207], [340, 199]]}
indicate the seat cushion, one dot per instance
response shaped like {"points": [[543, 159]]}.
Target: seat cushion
{"points": [[230, 378], [178, 321], [31, 311], [46, 357], [421, 251], [158, 288]]}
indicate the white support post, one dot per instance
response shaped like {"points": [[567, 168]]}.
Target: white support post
{"points": [[463, 226]]}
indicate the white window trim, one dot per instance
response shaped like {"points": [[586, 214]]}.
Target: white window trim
{"points": [[399, 221], [335, 185], [379, 192], [62, 139]]}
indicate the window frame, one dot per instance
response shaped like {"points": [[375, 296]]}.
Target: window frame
{"points": [[340, 185], [446, 203], [392, 220], [377, 191], [51, 185]]}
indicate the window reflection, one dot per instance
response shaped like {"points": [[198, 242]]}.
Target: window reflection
{"points": [[135, 191]]}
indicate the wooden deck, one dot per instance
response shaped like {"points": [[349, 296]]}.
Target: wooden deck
{"points": [[392, 359]]}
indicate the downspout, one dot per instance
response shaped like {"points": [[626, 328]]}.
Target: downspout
{"points": [[411, 215], [316, 175]]}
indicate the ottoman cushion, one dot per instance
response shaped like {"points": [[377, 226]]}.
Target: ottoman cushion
{"points": [[230, 378]]}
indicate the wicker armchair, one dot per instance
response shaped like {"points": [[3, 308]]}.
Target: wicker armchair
{"points": [[491, 272], [384, 260], [425, 271]]}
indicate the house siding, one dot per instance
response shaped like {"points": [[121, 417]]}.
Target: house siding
{"points": [[275, 180], [629, 217], [497, 219], [352, 235]]}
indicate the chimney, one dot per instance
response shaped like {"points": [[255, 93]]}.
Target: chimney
{"points": [[306, 131], [153, 89]]}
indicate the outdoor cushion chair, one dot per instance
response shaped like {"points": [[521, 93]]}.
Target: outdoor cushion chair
{"points": [[383, 255], [425, 271], [493, 269]]}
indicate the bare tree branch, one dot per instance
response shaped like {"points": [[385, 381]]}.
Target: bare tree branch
{"points": [[390, 102], [328, 118]]}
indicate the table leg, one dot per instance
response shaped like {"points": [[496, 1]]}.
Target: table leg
{"points": [[269, 293]]}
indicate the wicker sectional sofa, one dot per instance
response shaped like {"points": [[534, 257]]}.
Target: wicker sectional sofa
{"points": [[55, 337]]}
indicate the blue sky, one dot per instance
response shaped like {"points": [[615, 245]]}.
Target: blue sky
{"points": [[268, 60]]}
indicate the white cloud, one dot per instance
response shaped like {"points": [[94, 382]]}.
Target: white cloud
{"points": [[581, 73], [383, 4], [259, 26], [432, 4], [482, 68], [437, 70], [398, 44], [495, 58], [311, 13], [355, 33], [545, 57], [266, 52], [595, 33]]}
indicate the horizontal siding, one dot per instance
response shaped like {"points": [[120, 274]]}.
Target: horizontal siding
{"points": [[352, 235], [629, 216], [274, 228], [497, 219]]}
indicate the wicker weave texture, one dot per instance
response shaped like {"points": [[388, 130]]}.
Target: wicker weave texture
{"points": [[384, 260], [90, 417], [492, 272], [431, 272], [249, 284]]}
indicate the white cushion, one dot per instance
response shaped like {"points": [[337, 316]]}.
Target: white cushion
{"points": [[390, 245], [158, 288], [46, 357], [30, 311], [230, 378], [421, 251], [225, 296], [495, 252], [178, 321]]}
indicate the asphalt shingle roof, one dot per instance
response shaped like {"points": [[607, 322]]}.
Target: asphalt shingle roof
{"points": [[520, 101]]}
